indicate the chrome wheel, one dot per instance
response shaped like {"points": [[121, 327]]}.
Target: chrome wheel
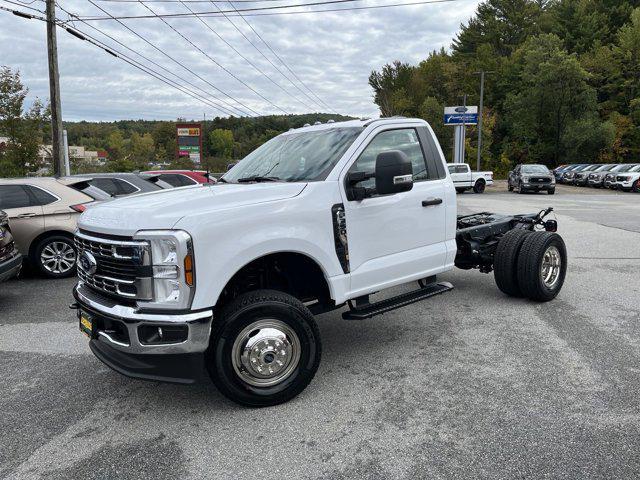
{"points": [[58, 257], [550, 268], [265, 353]]}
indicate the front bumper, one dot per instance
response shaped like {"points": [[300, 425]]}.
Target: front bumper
{"points": [[625, 185], [116, 339], [10, 267], [538, 186]]}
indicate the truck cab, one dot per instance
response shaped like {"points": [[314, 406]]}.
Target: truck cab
{"points": [[227, 277]]}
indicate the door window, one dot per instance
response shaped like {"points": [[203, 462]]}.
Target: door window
{"points": [[405, 140], [13, 196]]}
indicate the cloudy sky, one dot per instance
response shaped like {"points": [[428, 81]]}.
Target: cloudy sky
{"points": [[331, 53]]}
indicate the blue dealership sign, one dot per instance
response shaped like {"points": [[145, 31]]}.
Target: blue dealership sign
{"points": [[461, 115]]}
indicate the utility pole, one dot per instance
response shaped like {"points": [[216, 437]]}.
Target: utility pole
{"points": [[481, 73], [54, 92]]}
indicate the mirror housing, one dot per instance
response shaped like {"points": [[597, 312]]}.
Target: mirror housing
{"points": [[231, 165], [394, 172]]}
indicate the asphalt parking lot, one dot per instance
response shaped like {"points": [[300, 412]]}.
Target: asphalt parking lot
{"points": [[469, 384]]}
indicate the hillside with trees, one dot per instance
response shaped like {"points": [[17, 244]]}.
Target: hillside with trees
{"points": [[564, 82]]}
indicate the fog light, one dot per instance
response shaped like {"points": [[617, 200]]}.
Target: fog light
{"points": [[155, 335]]}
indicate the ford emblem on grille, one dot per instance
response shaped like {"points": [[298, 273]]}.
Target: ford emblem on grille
{"points": [[88, 263]]}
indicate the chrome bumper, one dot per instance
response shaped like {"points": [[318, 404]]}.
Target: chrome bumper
{"points": [[198, 324]]}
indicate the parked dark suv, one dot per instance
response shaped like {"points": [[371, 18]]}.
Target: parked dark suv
{"points": [[10, 258], [531, 178]]}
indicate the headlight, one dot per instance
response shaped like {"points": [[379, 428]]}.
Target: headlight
{"points": [[525, 179], [173, 268]]}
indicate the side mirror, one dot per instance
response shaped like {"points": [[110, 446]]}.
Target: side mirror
{"points": [[394, 172], [231, 165]]}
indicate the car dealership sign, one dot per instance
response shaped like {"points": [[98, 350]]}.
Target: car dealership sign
{"points": [[461, 115]]}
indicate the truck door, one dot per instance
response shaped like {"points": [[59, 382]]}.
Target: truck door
{"points": [[393, 238]]}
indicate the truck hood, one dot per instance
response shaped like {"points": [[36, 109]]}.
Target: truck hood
{"points": [[163, 209]]}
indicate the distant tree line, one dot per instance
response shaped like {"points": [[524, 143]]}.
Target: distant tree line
{"points": [[564, 83]]}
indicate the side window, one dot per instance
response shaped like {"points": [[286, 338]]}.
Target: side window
{"points": [[461, 169], [452, 168], [405, 140], [184, 180], [106, 185], [13, 196], [171, 179], [39, 196], [124, 188]]}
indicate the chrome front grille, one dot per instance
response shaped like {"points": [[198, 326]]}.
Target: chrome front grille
{"points": [[117, 267]]}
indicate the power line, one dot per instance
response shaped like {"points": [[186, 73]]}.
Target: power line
{"points": [[296, 86], [187, 15], [258, 69], [181, 80], [184, 1], [92, 40], [180, 64], [215, 61], [282, 61], [305, 12]]}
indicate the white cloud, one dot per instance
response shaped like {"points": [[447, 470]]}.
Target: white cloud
{"points": [[333, 54]]}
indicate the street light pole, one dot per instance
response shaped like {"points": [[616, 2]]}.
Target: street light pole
{"points": [[54, 92], [481, 73]]}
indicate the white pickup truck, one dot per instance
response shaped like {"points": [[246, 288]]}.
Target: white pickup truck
{"points": [[227, 277], [465, 179]]}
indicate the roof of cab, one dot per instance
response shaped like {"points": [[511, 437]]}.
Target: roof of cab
{"points": [[361, 123]]}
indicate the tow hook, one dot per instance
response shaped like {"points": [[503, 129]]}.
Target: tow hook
{"points": [[74, 306]]}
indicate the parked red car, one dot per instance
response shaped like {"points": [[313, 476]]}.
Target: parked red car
{"points": [[182, 178]]}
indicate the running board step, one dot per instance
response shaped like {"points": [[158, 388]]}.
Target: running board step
{"points": [[398, 301]]}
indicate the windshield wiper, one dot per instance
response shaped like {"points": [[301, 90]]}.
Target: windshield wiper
{"points": [[222, 180], [258, 178]]}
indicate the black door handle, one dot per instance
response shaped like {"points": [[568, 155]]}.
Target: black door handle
{"points": [[431, 201]]}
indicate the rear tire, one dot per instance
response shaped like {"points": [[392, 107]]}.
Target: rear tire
{"points": [[479, 186], [460, 190], [542, 266], [247, 342], [505, 263]]}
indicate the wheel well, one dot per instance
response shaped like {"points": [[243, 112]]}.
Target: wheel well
{"points": [[43, 235], [289, 272]]}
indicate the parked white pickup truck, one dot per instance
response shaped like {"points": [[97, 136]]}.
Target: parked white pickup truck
{"points": [[465, 179], [227, 277]]}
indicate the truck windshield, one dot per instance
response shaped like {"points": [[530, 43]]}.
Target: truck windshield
{"points": [[534, 169], [295, 157]]}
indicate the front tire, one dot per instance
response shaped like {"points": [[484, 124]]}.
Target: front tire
{"points": [[264, 349], [520, 190], [551, 192], [542, 266], [55, 257], [479, 186], [636, 186]]}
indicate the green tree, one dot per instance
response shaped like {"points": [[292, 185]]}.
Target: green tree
{"points": [[221, 143], [552, 105], [24, 129], [142, 150]]}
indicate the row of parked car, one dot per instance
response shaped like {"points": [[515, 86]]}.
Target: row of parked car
{"points": [[621, 176], [38, 215]]}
